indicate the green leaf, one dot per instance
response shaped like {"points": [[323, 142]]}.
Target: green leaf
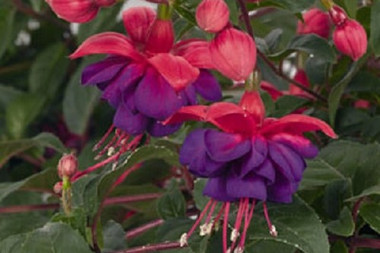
{"points": [[79, 102], [113, 234], [172, 204], [375, 29], [293, 6], [21, 112], [11, 148], [339, 247], [344, 226], [52, 238], [311, 44], [48, 70], [287, 104], [297, 225], [364, 82], [44, 180], [370, 212], [338, 89], [7, 94], [373, 190], [7, 17], [269, 247], [319, 173], [351, 7], [199, 198]]}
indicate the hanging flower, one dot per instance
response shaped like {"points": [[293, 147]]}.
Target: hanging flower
{"points": [[212, 15], [145, 77], [314, 21], [251, 159], [78, 11], [349, 35]]}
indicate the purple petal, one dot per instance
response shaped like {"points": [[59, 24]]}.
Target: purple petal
{"points": [[225, 147], [282, 190], [194, 154], [279, 161], [125, 80], [207, 86], [300, 144], [155, 97], [249, 187], [216, 189], [190, 96], [267, 171], [128, 121], [103, 71], [256, 156], [292, 160], [157, 129]]}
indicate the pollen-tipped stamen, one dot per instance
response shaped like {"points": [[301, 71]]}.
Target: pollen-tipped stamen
{"points": [[203, 213], [272, 228], [247, 222], [104, 138]]}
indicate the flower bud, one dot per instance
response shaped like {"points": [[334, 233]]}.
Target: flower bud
{"points": [[233, 53], [315, 21], [67, 166], [161, 37], [350, 39], [362, 104], [212, 15], [58, 188], [338, 15], [78, 11]]}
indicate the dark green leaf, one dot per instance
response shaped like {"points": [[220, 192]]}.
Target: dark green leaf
{"points": [[11, 148], [287, 104], [172, 204], [297, 225], [293, 6], [7, 94], [370, 212], [79, 103], [52, 238], [364, 82], [344, 226], [113, 237], [339, 247], [7, 16], [199, 198], [375, 29], [21, 112], [337, 91], [48, 70], [269, 247]]}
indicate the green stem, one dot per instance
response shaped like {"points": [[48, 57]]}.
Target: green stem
{"points": [[164, 12], [328, 4], [66, 195]]}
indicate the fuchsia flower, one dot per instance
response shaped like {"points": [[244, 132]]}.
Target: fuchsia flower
{"points": [[252, 158], [145, 77], [349, 35], [78, 11], [212, 15], [314, 21]]}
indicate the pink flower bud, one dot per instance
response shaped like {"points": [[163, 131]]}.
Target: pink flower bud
{"points": [[362, 104], [58, 188], [137, 21], [67, 165], [338, 15], [350, 39], [212, 15], [161, 37], [233, 53], [315, 21], [78, 11]]}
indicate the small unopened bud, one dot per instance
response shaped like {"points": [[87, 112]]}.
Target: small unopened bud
{"points": [[67, 166], [315, 21], [273, 231], [183, 240], [58, 188], [212, 15], [338, 15]]}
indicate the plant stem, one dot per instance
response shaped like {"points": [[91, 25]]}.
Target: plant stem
{"points": [[152, 248], [269, 63], [128, 199], [27, 208], [142, 229]]}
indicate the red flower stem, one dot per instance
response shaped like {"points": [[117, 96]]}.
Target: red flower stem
{"points": [[102, 204], [152, 248], [107, 202], [355, 209], [142, 229], [21, 7], [27, 208], [365, 243], [247, 23]]}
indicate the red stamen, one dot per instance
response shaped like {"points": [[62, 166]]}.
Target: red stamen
{"points": [[103, 139], [247, 221], [216, 220], [272, 229], [191, 231], [225, 224]]}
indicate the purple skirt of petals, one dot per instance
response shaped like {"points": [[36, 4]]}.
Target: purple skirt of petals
{"points": [[257, 168], [142, 97]]}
